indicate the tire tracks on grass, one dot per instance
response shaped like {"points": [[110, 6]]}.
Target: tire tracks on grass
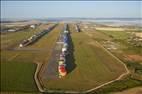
{"points": [[13, 57]]}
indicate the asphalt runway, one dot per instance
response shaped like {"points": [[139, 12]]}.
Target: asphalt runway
{"points": [[50, 70]]}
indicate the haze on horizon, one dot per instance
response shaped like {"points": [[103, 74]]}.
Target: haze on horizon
{"points": [[87, 9]]}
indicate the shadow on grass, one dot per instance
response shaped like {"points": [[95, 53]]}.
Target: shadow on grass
{"points": [[70, 62]]}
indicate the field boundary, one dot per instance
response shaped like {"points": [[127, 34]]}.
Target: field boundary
{"points": [[39, 65]]}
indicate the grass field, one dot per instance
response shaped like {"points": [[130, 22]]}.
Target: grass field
{"points": [[135, 90], [18, 76], [117, 35], [118, 86], [94, 66]]}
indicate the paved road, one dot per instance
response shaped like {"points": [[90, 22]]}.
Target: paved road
{"points": [[50, 70]]}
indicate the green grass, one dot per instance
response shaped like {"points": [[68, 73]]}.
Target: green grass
{"points": [[18, 76], [118, 86], [130, 81], [133, 50], [135, 66], [93, 66], [18, 56], [116, 34]]}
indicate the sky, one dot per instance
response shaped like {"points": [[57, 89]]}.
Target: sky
{"points": [[51, 9]]}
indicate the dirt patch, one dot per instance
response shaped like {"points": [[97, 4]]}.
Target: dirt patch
{"points": [[133, 57], [138, 35], [109, 29], [94, 43], [89, 34]]}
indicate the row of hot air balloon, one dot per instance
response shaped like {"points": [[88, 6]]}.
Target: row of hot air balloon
{"points": [[35, 37], [62, 60]]}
